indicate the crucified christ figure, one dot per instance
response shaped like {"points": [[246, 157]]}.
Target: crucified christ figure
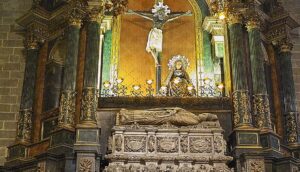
{"points": [[159, 15]]}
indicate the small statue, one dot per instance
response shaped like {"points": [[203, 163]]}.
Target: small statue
{"points": [[159, 116], [178, 82]]}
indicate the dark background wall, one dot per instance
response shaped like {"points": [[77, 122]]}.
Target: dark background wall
{"points": [[11, 69], [293, 7]]}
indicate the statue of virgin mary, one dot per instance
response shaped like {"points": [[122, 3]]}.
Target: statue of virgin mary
{"points": [[178, 82]]}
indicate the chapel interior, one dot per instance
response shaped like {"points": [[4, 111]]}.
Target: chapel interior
{"points": [[156, 86]]}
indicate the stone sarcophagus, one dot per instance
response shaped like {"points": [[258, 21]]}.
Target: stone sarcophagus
{"points": [[167, 147]]}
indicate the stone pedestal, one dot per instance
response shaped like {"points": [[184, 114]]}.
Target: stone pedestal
{"points": [[168, 148], [270, 142], [17, 152], [245, 139], [62, 141], [87, 148]]}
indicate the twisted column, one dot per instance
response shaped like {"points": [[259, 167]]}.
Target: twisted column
{"points": [[261, 107]]}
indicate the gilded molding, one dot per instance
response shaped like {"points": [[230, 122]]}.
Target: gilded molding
{"points": [[89, 105], [241, 108], [24, 130], [261, 111], [67, 109], [291, 127]]}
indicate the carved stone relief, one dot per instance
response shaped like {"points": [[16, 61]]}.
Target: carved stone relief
{"points": [[135, 144], [118, 142], [151, 144], [167, 144], [191, 148], [200, 145], [85, 165], [184, 144]]}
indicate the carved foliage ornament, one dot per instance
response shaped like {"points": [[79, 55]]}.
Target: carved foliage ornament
{"points": [[291, 127], [256, 166], [24, 125], [85, 165], [67, 109], [261, 111], [241, 108], [89, 104]]}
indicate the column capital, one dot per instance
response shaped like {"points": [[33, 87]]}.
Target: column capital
{"points": [[253, 22], [76, 13], [285, 45], [35, 34], [31, 41], [75, 18], [95, 14], [31, 44], [234, 18], [118, 6]]}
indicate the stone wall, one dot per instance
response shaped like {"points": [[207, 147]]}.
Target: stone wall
{"points": [[293, 7], [12, 62]]}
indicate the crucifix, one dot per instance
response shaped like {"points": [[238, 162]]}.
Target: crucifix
{"points": [[159, 15]]}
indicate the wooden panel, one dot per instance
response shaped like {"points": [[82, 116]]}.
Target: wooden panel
{"points": [[38, 148], [39, 88], [276, 91], [80, 70]]}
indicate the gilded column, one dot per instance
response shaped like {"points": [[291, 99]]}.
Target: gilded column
{"points": [[24, 130], [240, 95], [91, 66], [261, 107], [288, 92], [68, 96]]}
